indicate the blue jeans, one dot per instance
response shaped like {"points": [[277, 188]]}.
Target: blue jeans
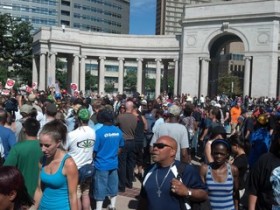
{"points": [[126, 164], [105, 184]]}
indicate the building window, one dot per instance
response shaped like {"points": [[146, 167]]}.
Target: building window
{"points": [[64, 12], [65, 22], [112, 68], [65, 3]]}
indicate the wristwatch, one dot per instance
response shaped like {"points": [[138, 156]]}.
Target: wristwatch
{"points": [[189, 193]]}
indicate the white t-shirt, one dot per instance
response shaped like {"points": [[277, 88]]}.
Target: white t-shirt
{"points": [[80, 143], [176, 131]]}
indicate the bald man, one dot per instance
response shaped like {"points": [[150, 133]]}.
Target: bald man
{"points": [[162, 189], [127, 122]]}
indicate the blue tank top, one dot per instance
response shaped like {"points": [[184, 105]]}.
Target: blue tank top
{"points": [[220, 194], [55, 189]]}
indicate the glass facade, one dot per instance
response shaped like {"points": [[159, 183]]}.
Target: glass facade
{"points": [[109, 16]]}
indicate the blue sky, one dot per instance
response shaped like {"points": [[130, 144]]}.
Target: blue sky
{"points": [[142, 17]]}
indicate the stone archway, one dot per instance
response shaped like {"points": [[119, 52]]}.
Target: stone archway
{"points": [[226, 67], [255, 23]]}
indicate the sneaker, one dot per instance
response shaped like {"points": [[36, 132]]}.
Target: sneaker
{"points": [[111, 208]]}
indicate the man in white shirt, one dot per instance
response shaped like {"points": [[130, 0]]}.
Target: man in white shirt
{"points": [[80, 144]]}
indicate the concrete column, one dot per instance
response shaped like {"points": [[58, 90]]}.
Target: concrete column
{"points": [[204, 76], [34, 69], [51, 69], [139, 74], [176, 73], [75, 70], [158, 76], [246, 85], [42, 74], [165, 76], [278, 81], [69, 60], [83, 74], [121, 69], [101, 74]]}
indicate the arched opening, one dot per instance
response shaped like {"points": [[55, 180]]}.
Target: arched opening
{"points": [[226, 68]]}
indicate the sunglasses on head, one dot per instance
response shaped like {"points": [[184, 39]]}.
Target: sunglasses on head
{"points": [[161, 145]]}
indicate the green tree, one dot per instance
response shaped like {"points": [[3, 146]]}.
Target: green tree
{"points": [[16, 46], [109, 87], [229, 84], [60, 74], [150, 84], [91, 82], [130, 80]]}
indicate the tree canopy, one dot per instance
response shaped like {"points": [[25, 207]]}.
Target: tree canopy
{"points": [[15, 48]]}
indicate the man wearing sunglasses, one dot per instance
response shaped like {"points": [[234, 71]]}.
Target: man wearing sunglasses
{"points": [[164, 187]]}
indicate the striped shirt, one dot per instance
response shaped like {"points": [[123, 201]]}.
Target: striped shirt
{"points": [[220, 193]]}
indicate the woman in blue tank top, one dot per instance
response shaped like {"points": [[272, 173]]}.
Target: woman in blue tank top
{"points": [[57, 186], [221, 178]]}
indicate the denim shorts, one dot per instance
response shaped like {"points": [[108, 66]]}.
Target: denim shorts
{"points": [[105, 184]]}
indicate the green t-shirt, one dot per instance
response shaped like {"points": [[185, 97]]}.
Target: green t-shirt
{"points": [[25, 156]]}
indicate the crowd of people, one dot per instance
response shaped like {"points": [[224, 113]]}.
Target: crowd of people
{"points": [[71, 152]]}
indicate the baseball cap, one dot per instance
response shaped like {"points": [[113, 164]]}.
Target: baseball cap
{"points": [[25, 108], [83, 114], [31, 97], [175, 110]]}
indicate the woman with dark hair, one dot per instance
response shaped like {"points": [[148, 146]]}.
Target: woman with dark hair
{"points": [[221, 178], [58, 180], [13, 193]]}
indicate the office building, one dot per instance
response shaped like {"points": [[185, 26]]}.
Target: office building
{"points": [[169, 14], [109, 16]]}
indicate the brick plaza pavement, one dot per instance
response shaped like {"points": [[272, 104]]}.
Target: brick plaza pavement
{"points": [[126, 200]]}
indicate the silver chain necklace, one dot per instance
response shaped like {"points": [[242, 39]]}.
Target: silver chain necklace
{"points": [[159, 186]]}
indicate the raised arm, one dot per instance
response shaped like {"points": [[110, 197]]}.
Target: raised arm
{"points": [[207, 152]]}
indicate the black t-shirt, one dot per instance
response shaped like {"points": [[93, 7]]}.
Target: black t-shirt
{"points": [[241, 162], [248, 125], [263, 179]]}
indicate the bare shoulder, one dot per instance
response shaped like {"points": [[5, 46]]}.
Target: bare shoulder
{"points": [[70, 165], [69, 162], [203, 169]]}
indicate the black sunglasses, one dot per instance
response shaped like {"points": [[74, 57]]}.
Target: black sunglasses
{"points": [[161, 145]]}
